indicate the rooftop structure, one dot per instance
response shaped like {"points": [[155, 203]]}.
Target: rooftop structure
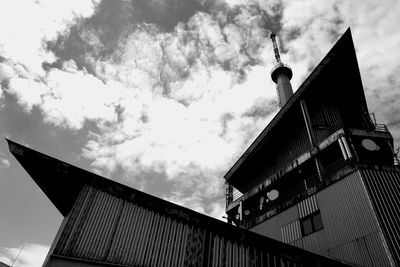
{"points": [[322, 175], [281, 74]]}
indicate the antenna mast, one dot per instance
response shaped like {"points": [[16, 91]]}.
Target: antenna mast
{"points": [[276, 49], [281, 75]]}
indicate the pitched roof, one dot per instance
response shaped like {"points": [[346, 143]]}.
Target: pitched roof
{"points": [[339, 64]]}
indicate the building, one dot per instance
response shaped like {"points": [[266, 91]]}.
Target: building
{"points": [[109, 224], [322, 175]]}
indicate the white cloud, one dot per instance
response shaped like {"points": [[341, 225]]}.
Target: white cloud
{"points": [[32, 255], [5, 163], [218, 211], [194, 130], [376, 40], [188, 102], [74, 96], [25, 25]]}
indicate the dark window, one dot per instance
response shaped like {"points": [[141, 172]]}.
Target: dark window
{"points": [[311, 223]]}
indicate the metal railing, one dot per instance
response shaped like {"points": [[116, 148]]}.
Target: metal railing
{"points": [[381, 128], [296, 193], [234, 194]]}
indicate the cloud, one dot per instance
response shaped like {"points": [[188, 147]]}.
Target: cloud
{"points": [[31, 255], [5, 163], [177, 99], [26, 28], [176, 91], [311, 27]]}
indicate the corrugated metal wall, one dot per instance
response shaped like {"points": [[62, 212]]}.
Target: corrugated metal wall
{"points": [[105, 228], [295, 144], [325, 119], [290, 146], [384, 191], [350, 224], [291, 232], [350, 229], [307, 206], [273, 226]]}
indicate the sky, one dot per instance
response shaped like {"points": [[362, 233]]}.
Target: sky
{"points": [[162, 95]]}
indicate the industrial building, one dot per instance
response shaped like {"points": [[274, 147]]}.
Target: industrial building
{"points": [[318, 187], [109, 224], [322, 175]]}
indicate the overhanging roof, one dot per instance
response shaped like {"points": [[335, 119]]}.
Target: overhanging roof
{"points": [[62, 182], [342, 62]]}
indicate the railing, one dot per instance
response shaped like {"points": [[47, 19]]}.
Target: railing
{"points": [[296, 193], [299, 193], [232, 194], [381, 128], [396, 160], [236, 194]]}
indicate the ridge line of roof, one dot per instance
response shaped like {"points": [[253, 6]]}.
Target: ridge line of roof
{"points": [[288, 105]]}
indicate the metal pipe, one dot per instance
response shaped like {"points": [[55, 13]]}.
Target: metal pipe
{"points": [[310, 133], [346, 147], [345, 156]]}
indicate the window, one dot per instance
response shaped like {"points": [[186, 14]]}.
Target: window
{"points": [[311, 223]]}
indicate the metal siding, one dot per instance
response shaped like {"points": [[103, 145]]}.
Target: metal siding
{"points": [[307, 206], [105, 228], [373, 245], [345, 206], [295, 145], [74, 215], [272, 226], [291, 232], [324, 115], [316, 242], [348, 219], [351, 230], [384, 187], [365, 251], [298, 243]]}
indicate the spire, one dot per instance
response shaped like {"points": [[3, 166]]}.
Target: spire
{"points": [[281, 75]]}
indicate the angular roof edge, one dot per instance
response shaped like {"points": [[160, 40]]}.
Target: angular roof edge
{"points": [[62, 182], [345, 40]]}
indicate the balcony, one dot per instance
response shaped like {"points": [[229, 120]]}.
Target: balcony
{"points": [[292, 188]]}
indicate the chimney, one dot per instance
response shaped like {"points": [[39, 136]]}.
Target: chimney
{"points": [[281, 75]]}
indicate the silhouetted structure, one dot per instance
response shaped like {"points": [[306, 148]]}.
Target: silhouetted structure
{"points": [[321, 176], [109, 224]]}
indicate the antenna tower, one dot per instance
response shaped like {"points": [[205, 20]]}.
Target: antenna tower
{"points": [[276, 49]]}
